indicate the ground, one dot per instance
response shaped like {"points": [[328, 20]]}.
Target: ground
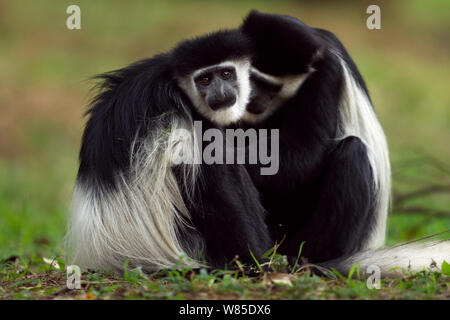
{"points": [[37, 280]]}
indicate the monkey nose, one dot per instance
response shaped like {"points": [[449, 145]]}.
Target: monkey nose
{"points": [[223, 102]]}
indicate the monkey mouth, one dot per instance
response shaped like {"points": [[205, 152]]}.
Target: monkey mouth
{"points": [[222, 104]]}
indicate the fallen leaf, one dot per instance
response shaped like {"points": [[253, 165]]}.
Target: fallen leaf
{"points": [[278, 279], [51, 262], [90, 296]]}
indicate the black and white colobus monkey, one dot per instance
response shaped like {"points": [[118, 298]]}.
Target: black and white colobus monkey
{"points": [[131, 200], [332, 189]]}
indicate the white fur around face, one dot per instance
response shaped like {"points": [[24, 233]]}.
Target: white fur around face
{"points": [[290, 85], [228, 115]]}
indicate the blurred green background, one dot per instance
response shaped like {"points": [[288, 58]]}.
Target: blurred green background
{"points": [[44, 91]]}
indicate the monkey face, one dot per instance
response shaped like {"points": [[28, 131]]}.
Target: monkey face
{"points": [[219, 92], [218, 86], [263, 92]]}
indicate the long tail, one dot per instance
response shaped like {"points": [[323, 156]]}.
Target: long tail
{"points": [[394, 261]]}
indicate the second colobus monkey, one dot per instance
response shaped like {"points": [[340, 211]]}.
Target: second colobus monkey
{"points": [[131, 202], [332, 189]]}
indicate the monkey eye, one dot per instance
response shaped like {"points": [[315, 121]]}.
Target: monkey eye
{"points": [[225, 75], [204, 81]]}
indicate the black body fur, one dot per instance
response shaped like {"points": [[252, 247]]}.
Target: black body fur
{"points": [[323, 192]]}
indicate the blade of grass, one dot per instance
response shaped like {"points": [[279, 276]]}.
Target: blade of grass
{"points": [[350, 273], [256, 261], [298, 256], [336, 273]]}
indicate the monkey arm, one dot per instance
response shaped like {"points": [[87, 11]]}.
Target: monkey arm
{"points": [[228, 215]]}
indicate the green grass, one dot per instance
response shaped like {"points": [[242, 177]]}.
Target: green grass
{"points": [[43, 94], [32, 279]]}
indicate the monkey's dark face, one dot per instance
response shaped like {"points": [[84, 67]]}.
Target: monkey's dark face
{"points": [[263, 92], [218, 86], [219, 92], [269, 92]]}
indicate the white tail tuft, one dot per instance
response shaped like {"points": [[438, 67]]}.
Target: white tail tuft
{"points": [[396, 260]]}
